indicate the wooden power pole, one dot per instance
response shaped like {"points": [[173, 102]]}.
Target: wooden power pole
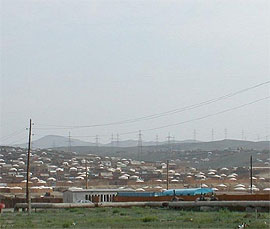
{"points": [[86, 175], [28, 199], [251, 175], [167, 174]]}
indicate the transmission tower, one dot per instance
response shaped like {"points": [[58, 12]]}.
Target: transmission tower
{"points": [[117, 140], [157, 142], [112, 140], [97, 142], [169, 142], [53, 144], [225, 133], [69, 142], [139, 145], [194, 134]]}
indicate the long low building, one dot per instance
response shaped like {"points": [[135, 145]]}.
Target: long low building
{"points": [[107, 195], [93, 195]]}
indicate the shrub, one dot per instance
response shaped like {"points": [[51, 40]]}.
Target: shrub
{"points": [[147, 219], [74, 209], [115, 211], [66, 225]]}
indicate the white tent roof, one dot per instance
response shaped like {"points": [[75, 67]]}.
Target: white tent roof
{"points": [[222, 185], [240, 189]]}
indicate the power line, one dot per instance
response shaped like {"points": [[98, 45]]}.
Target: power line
{"points": [[17, 141], [158, 115], [190, 120], [4, 138], [204, 117]]}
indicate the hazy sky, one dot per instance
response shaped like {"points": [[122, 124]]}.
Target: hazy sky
{"points": [[78, 62]]}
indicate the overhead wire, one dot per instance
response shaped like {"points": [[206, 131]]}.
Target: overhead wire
{"points": [[190, 120], [15, 133], [16, 141], [161, 127], [154, 116]]}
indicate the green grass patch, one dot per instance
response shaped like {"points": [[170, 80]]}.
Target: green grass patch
{"points": [[134, 217]]}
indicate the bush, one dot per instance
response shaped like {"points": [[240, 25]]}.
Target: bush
{"points": [[115, 211], [99, 210], [74, 209], [66, 225], [149, 219]]}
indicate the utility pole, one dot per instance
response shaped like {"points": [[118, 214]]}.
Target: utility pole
{"points": [[86, 175], [167, 174], [213, 133], [140, 145], [251, 175], [28, 199]]}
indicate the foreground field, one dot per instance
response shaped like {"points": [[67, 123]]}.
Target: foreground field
{"points": [[132, 218]]}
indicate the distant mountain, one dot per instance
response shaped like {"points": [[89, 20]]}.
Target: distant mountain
{"points": [[231, 152], [185, 141], [134, 143], [125, 143], [52, 141], [225, 144]]}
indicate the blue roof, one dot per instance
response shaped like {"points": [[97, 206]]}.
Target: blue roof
{"points": [[137, 194], [170, 192], [187, 191]]}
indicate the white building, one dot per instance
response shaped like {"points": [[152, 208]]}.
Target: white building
{"points": [[103, 195]]}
